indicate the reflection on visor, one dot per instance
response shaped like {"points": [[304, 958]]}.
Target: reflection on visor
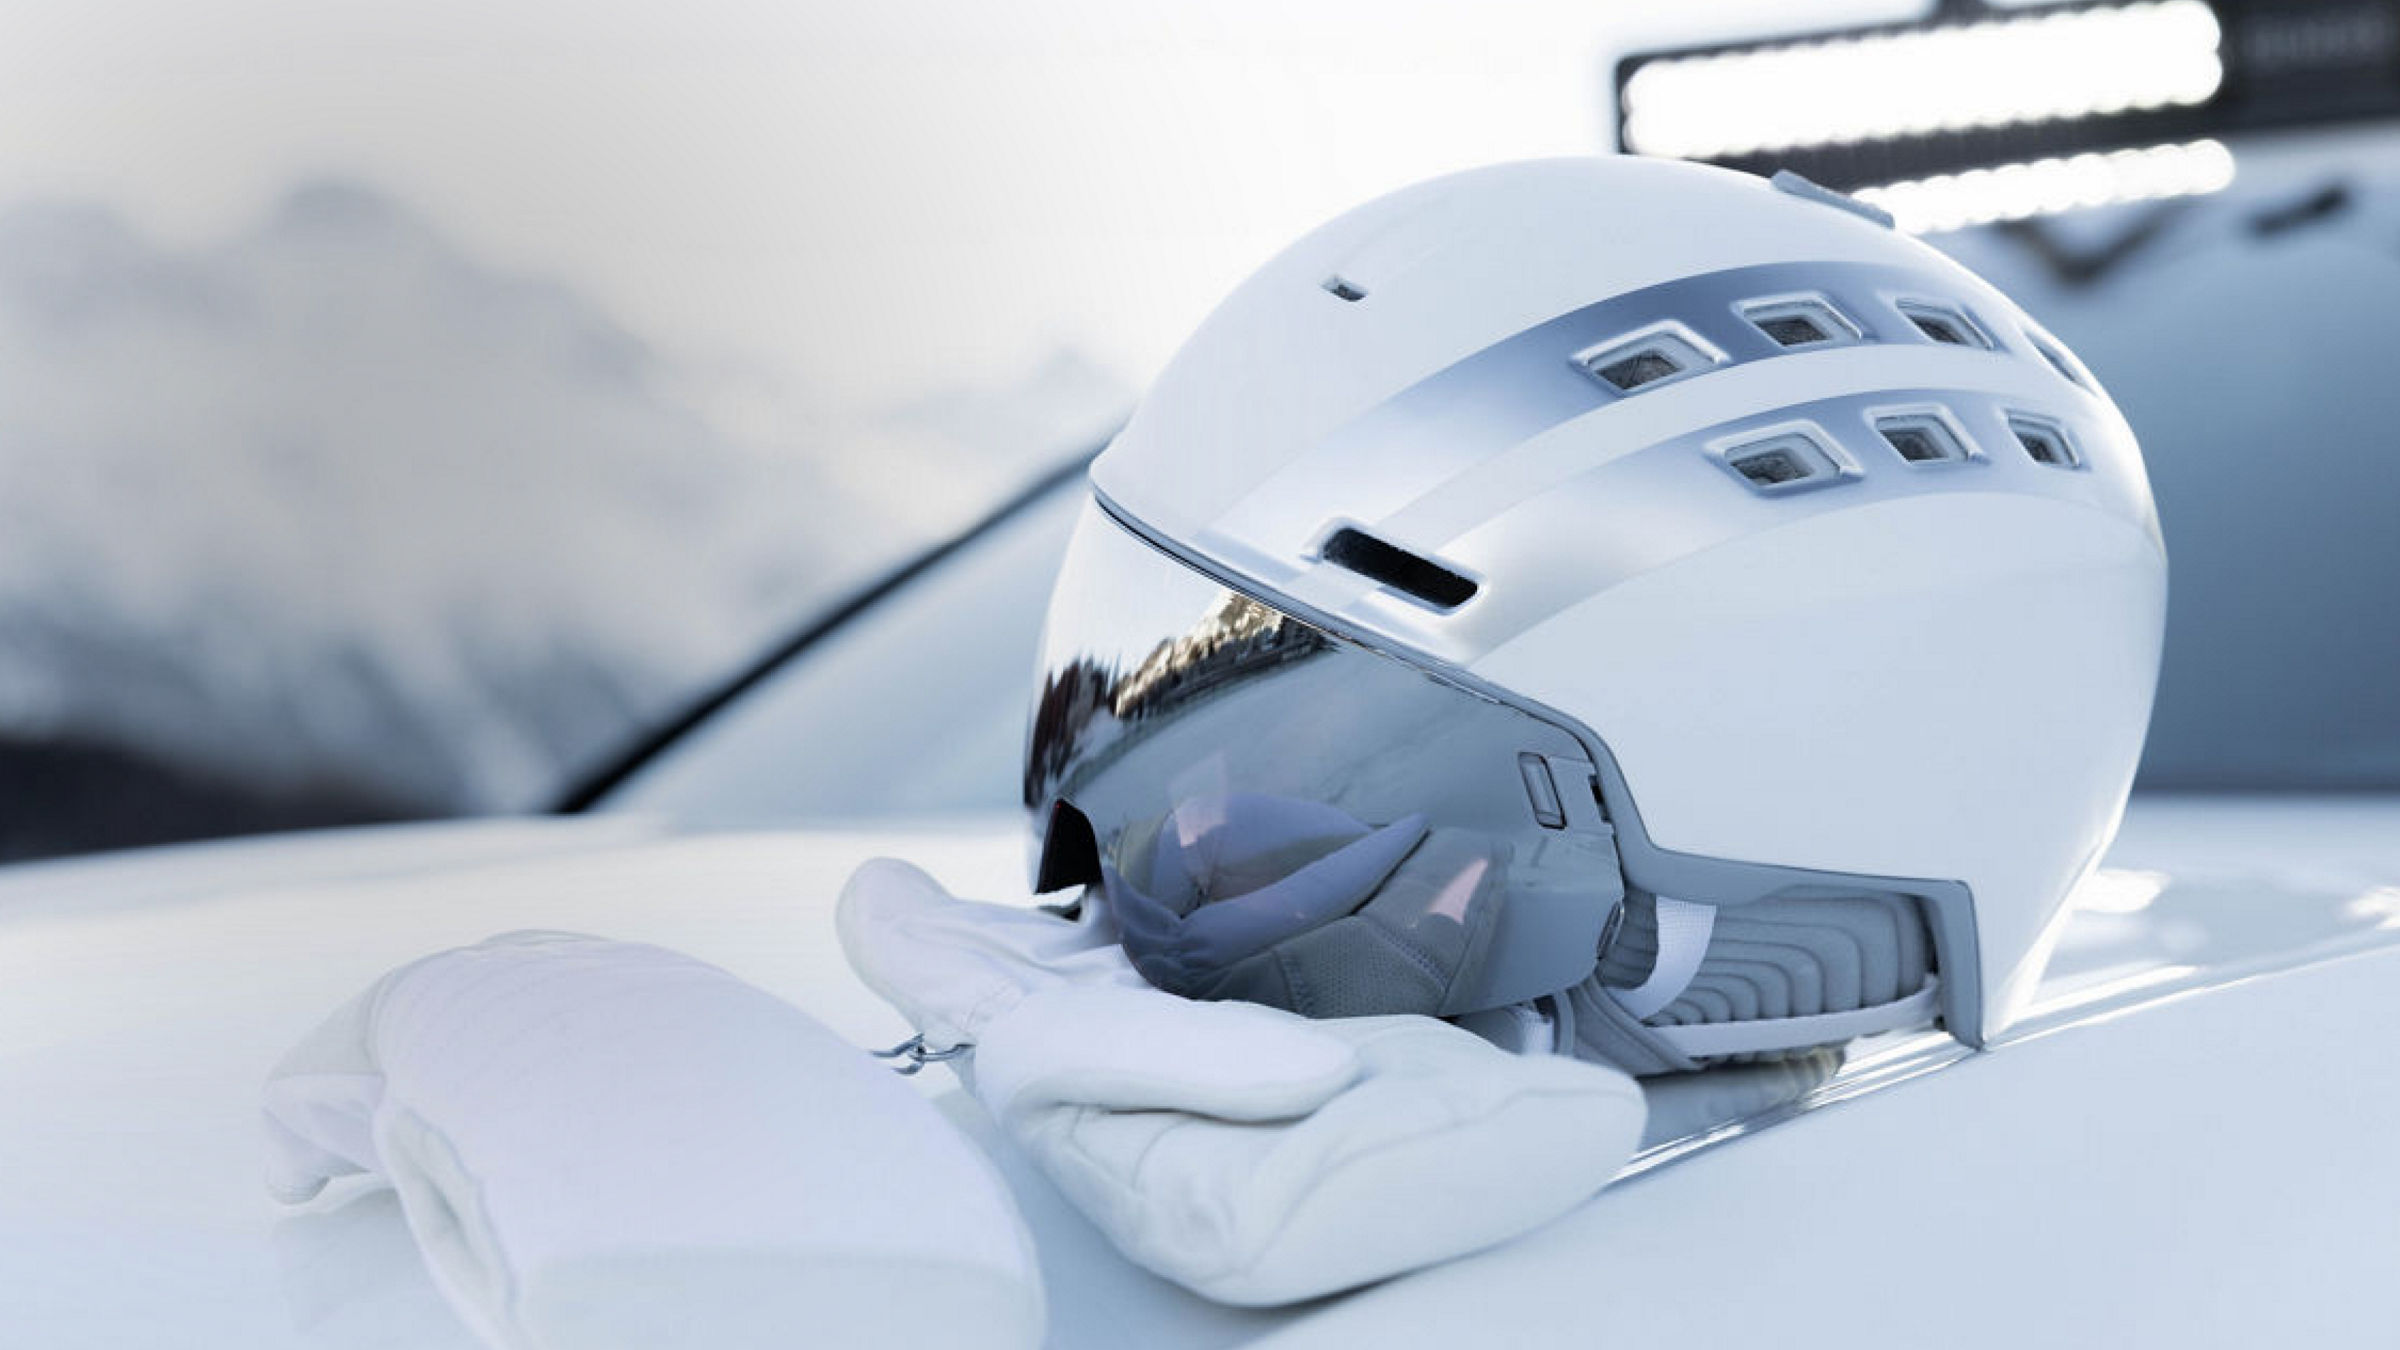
{"points": [[1284, 816]]}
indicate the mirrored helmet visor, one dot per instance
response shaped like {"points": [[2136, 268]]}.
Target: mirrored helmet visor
{"points": [[1273, 812]]}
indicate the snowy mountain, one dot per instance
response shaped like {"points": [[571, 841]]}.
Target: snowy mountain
{"points": [[330, 511]]}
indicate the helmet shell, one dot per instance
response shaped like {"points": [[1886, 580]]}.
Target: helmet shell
{"points": [[1935, 672]]}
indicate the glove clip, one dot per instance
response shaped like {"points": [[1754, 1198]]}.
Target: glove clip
{"points": [[914, 1051]]}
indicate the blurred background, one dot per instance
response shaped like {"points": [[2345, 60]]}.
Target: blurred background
{"points": [[441, 409]]}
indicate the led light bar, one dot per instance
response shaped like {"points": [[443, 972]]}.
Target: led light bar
{"points": [[1979, 113], [1989, 73], [2044, 186]]}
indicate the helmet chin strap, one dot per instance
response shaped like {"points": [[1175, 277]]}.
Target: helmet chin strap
{"points": [[1683, 930]]}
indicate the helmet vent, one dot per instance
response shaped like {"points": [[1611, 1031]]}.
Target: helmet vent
{"points": [[1795, 330], [1640, 368], [2045, 443], [1922, 438], [1771, 468], [2059, 362], [1947, 326], [1643, 367], [1647, 359], [1341, 289], [1803, 322], [1411, 574], [1786, 463]]}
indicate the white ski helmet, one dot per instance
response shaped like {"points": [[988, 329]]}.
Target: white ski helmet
{"points": [[1567, 531]]}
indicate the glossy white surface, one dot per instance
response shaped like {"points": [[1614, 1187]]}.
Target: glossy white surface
{"points": [[2210, 1167], [1449, 266], [1921, 673]]}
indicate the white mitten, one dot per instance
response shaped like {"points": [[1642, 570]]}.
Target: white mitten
{"points": [[604, 1144], [1249, 1154]]}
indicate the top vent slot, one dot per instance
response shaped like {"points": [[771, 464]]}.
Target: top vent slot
{"points": [[1646, 359], [1922, 438], [1802, 321], [1950, 327], [2045, 442], [1790, 461], [1795, 330], [1411, 574]]}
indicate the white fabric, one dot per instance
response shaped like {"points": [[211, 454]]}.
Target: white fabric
{"points": [[1683, 932], [1249, 1154], [598, 1144], [1230, 1061]]}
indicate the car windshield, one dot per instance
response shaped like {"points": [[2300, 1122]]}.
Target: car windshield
{"points": [[914, 705]]}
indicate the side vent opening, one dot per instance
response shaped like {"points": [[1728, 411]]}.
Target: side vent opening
{"points": [[1922, 438], [1787, 463], [1947, 326], [1340, 289], [1801, 322], [1645, 360], [1411, 574], [2060, 361], [2045, 443]]}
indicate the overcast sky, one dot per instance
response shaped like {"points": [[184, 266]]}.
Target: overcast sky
{"points": [[865, 199]]}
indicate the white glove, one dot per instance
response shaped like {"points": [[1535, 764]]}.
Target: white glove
{"points": [[603, 1144], [1246, 1153]]}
